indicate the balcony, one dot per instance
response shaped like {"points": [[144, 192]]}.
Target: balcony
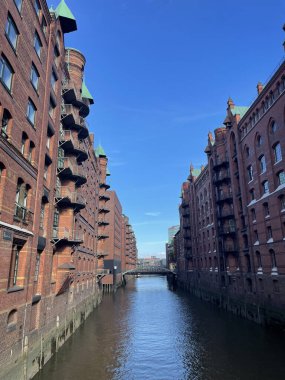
{"points": [[101, 272], [64, 235], [69, 118], [226, 214], [65, 198], [103, 223], [101, 255], [188, 253], [84, 129], [66, 169], [221, 162], [102, 236], [22, 214], [104, 197], [225, 197], [72, 146], [103, 210], [104, 185], [227, 230], [223, 176], [230, 249], [68, 92]]}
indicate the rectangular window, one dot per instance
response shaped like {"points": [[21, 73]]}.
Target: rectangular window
{"points": [[53, 80], [31, 112], [14, 265], [6, 73], [51, 108], [35, 77], [281, 178], [18, 4], [37, 7], [11, 32], [265, 186], [269, 232], [277, 153], [42, 216], [44, 25], [37, 44], [37, 267], [250, 173]]}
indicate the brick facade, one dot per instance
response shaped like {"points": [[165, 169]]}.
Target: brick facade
{"points": [[52, 188], [232, 222]]}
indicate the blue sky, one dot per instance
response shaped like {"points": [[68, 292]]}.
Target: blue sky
{"points": [[161, 72]]}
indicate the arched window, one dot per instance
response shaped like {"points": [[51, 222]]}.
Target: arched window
{"points": [[262, 164], [2, 171], [12, 318], [23, 142], [281, 177], [258, 260], [273, 127], [277, 152], [250, 172], [282, 202], [259, 141], [31, 151], [273, 259], [21, 201]]}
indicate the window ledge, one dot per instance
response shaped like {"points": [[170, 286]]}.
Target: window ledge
{"points": [[277, 162], [15, 289], [33, 125], [270, 240], [11, 327], [256, 243], [268, 216]]}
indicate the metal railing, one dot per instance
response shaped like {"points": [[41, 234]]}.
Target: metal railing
{"points": [[101, 271], [22, 213], [66, 163], [74, 196], [65, 233]]}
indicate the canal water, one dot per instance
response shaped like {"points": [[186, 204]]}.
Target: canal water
{"points": [[148, 332]]}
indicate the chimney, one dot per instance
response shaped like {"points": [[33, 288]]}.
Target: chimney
{"points": [[259, 87]]}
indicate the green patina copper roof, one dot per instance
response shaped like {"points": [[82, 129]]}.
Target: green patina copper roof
{"points": [[239, 110], [195, 172], [99, 151], [86, 94], [67, 20], [51, 9], [108, 172]]}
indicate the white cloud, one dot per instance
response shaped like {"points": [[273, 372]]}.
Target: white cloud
{"points": [[152, 213]]}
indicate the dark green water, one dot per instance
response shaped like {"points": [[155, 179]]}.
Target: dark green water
{"points": [[147, 332]]}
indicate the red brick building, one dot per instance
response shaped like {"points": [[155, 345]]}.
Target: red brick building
{"points": [[53, 190], [235, 255]]}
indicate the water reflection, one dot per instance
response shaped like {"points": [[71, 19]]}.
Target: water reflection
{"points": [[147, 332]]}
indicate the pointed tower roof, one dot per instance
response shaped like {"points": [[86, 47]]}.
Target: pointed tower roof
{"points": [[99, 151], [85, 93], [66, 18]]}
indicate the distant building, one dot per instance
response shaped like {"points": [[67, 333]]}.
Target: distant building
{"points": [[169, 247]]}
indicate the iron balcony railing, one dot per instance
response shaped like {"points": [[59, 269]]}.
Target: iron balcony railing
{"points": [[73, 196], [102, 271], [220, 161], [22, 213], [66, 163], [224, 196], [222, 176], [64, 233]]}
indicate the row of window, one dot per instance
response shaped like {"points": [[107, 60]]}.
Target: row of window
{"points": [[266, 104], [280, 177], [277, 153]]}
